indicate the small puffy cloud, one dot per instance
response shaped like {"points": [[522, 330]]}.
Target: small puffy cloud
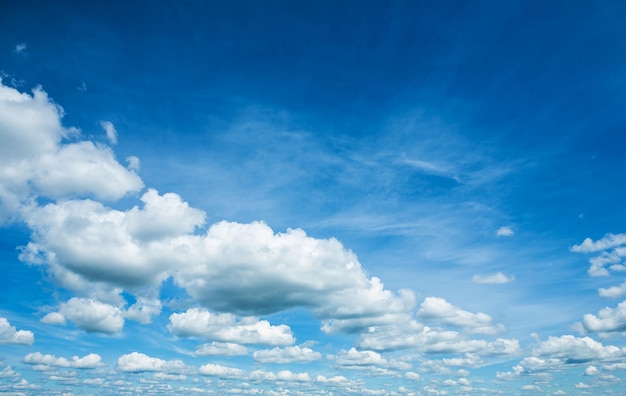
{"points": [[607, 320], [35, 160], [613, 291], [143, 310], [494, 279], [20, 47], [288, 354], [137, 362], [505, 232], [612, 252], [355, 359], [54, 318], [581, 385], [571, 349], [607, 242], [438, 310], [89, 361], [93, 316], [110, 131], [10, 335], [591, 370], [221, 349], [217, 370], [196, 322], [413, 376], [283, 375], [133, 163]]}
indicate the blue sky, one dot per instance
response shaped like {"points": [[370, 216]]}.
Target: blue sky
{"points": [[312, 198]]}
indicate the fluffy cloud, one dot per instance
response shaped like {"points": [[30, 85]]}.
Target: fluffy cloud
{"points": [[54, 318], [221, 349], [355, 359], [505, 232], [217, 370], [438, 310], [136, 362], [284, 375], [288, 354], [425, 339], [10, 335], [35, 161], [614, 291], [93, 316], [607, 319], [572, 349], [197, 322], [110, 131], [143, 310], [89, 361], [494, 279], [607, 242], [612, 253]]}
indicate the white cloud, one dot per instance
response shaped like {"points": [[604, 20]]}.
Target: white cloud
{"points": [[497, 278], [439, 310], [89, 361], [20, 47], [607, 242], [54, 318], [35, 161], [591, 370], [137, 362], [614, 291], [288, 354], [581, 385], [283, 375], [571, 349], [143, 310], [109, 128], [226, 327], [607, 320], [221, 349], [217, 370], [355, 359], [413, 376], [10, 335], [93, 316], [505, 232]]}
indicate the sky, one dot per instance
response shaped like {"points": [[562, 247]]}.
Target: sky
{"points": [[312, 197]]}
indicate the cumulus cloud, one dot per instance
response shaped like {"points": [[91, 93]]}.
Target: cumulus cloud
{"points": [[143, 310], [37, 158], [89, 361], [93, 316], [355, 359], [591, 370], [196, 322], [137, 362], [221, 349], [10, 335], [110, 131], [438, 310], [494, 279], [607, 319], [612, 251], [54, 318], [614, 291], [217, 370], [505, 232], [283, 375], [288, 354]]}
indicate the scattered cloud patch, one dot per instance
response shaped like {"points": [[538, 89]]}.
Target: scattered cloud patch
{"points": [[110, 131], [221, 349], [10, 335], [217, 370], [438, 310], [613, 291], [196, 322], [288, 354], [20, 48], [54, 318], [607, 320], [137, 362], [93, 316], [505, 231], [90, 361], [494, 279]]}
